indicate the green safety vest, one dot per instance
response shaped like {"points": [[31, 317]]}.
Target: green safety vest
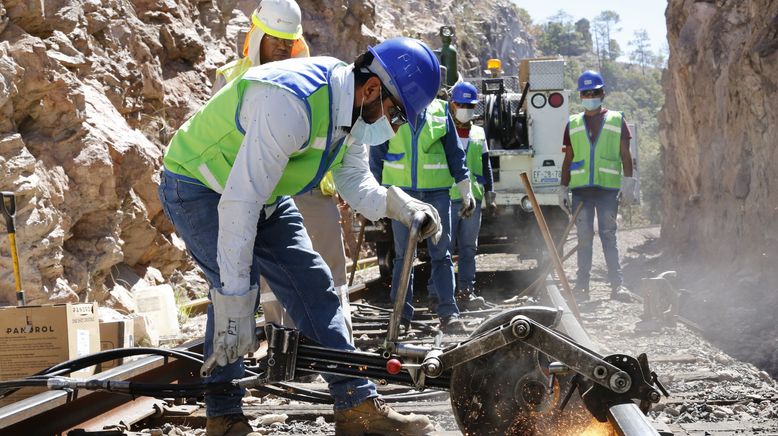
{"points": [[597, 164], [474, 160], [206, 145], [417, 160]]}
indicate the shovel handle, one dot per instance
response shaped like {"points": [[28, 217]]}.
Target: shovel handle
{"points": [[9, 210]]}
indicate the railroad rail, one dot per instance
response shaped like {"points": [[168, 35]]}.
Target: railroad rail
{"points": [[85, 412]]}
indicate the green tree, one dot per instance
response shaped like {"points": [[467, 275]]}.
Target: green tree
{"points": [[641, 50], [583, 28], [605, 26], [560, 36]]}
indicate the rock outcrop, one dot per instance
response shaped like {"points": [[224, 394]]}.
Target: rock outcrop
{"points": [[719, 130], [91, 92]]}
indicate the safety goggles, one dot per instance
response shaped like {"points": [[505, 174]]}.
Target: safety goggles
{"points": [[591, 93], [396, 114]]}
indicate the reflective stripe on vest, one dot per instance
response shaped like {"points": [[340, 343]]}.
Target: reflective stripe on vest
{"points": [[234, 69], [597, 165], [206, 145], [417, 160], [475, 151]]}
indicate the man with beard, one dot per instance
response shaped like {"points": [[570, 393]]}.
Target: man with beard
{"points": [[276, 34], [228, 174]]}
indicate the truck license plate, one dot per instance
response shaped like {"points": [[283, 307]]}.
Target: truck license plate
{"points": [[546, 176]]}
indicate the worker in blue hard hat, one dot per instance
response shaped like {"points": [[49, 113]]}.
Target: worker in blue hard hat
{"points": [[228, 174], [597, 168], [425, 161], [276, 34], [464, 232]]}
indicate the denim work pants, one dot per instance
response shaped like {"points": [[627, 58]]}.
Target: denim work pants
{"points": [[605, 203], [442, 268], [464, 237], [284, 256]]}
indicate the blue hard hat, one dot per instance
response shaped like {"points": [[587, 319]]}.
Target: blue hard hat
{"points": [[590, 80], [411, 72], [465, 93]]}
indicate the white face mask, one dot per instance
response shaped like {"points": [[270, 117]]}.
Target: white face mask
{"points": [[464, 115], [591, 103], [375, 133]]}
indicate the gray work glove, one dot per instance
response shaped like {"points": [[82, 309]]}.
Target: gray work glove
{"points": [[234, 325], [490, 199], [564, 198], [401, 207], [468, 201], [626, 194]]}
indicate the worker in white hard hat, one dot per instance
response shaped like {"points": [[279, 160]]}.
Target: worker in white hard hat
{"points": [[276, 34]]}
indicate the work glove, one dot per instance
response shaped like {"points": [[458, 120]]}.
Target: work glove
{"points": [[490, 199], [234, 325], [564, 198], [626, 194], [468, 201], [401, 207]]}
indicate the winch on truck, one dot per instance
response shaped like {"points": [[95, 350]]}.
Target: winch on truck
{"points": [[524, 118]]}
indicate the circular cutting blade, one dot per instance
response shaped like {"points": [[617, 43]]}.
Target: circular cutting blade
{"points": [[506, 391]]}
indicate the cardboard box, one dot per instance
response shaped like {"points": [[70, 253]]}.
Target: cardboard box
{"points": [[116, 334], [33, 338]]}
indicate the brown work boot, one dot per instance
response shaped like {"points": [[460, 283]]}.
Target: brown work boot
{"points": [[620, 293], [581, 294], [452, 325], [229, 425], [374, 416], [467, 300]]}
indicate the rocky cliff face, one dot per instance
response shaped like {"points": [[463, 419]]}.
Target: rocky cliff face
{"points": [[719, 129], [91, 92]]}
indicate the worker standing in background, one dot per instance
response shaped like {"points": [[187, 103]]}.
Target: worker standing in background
{"points": [[276, 34], [598, 169], [228, 172], [464, 232], [425, 162]]}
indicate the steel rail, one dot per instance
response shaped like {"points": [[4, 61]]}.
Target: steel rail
{"points": [[56, 412], [626, 419]]}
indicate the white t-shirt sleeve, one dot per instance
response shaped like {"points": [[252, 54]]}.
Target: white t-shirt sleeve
{"points": [[276, 125], [356, 184]]}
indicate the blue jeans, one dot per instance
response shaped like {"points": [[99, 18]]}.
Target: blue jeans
{"points": [[464, 237], [442, 268], [605, 203], [283, 254]]}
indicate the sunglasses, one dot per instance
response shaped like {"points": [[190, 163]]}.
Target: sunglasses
{"points": [[396, 115], [591, 93], [279, 41]]}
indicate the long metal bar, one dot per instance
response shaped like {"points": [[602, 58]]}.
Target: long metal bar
{"points": [[355, 261], [626, 419], [560, 270], [560, 249], [405, 276]]}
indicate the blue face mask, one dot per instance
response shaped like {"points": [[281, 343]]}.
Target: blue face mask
{"points": [[591, 103], [375, 133]]}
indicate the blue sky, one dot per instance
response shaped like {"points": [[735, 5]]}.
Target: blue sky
{"points": [[635, 15]]}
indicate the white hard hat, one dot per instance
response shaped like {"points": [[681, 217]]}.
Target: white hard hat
{"points": [[279, 18]]}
